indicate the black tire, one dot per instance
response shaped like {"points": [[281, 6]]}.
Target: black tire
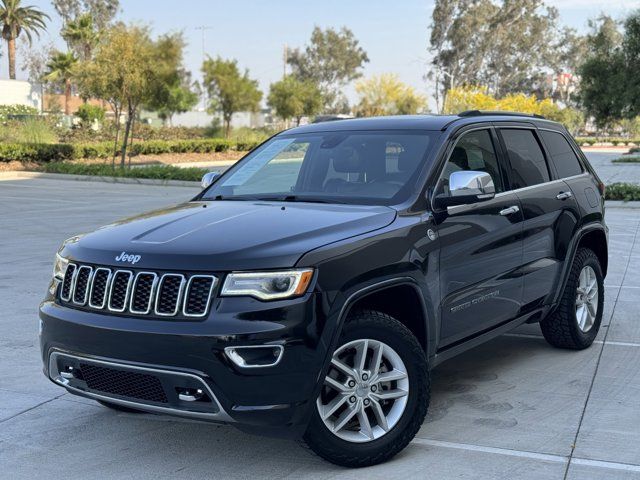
{"points": [[561, 328], [378, 326], [119, 408]]}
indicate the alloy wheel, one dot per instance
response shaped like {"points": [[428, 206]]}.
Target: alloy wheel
{"points": [[586, 298], [365, 391]]}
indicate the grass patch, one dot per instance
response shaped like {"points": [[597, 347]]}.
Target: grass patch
{"points": [[626, 192], [629, 159], [156, 172]]}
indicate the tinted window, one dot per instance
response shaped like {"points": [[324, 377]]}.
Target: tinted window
{"points": [[528, 166], [376, 167], [562, 155], [475, 151]]}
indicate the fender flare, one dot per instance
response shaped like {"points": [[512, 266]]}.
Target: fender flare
{"points": [[571, 253]]}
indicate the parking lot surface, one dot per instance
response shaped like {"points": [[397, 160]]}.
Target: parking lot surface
{"points": [[512, 408]]}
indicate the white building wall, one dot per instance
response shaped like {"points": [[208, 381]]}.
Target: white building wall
{"points": [[18, 92]]}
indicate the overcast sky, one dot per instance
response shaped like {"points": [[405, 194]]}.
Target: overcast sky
{"points": [[394, 33]]}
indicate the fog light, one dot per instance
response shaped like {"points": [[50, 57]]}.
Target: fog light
{"points": [[255, 356]]}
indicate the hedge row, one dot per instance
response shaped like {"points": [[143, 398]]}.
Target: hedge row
{"points": [[627, 192], [159, 172], [615, 141], [45, 153], [628, 159]]}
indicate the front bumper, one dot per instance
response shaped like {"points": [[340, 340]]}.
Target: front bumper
{"points": [[274, 400]]}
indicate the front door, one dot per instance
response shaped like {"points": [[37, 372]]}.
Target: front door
{"points": [[480, 247]]}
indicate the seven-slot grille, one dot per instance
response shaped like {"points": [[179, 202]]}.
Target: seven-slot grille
{"points": [[140, 293]]}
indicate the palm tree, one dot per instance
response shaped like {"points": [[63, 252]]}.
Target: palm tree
{"points": [[81, 34], [16, 19], [62, 68]]}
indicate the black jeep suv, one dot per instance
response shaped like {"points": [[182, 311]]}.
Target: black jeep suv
{"points": [[309, 289]]}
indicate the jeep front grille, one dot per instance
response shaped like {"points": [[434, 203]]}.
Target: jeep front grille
{"points": [[139, 293]]}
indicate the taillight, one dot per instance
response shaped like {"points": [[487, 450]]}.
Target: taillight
{"points": [[601, 188]]}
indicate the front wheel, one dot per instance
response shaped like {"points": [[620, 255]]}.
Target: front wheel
{"points": [[375, 395]]}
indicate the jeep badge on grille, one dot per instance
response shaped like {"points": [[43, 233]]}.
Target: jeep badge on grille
{"points": [[128, 257]]}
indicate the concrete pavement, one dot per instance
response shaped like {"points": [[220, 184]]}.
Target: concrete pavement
{"points": [[512, 408]]}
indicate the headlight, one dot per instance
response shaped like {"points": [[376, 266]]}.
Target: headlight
{"points": [[60, 267], [268, 285]]}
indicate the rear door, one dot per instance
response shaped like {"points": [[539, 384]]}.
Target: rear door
{"points": [[481, 246], [550, 212]]}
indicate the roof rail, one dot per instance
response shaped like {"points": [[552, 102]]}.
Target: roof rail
{"points": [[480, 113]]}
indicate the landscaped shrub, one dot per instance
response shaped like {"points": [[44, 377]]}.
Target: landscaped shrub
{"points": [[628, 159], [627, 192], [8, 111], [90, 113], [159, 172], [43, 153]]}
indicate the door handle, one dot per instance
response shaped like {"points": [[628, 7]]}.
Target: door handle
{"points": [[564, 195], [510, 210]]}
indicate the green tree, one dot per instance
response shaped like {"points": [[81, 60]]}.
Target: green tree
{"points": [[331, 60], [61, 68], [229, 90], [122, 73], [16, 20], [81, 35], [507, 47], [603, 86], [293, 98], [171, 93], [386, 95], [102, 11]]}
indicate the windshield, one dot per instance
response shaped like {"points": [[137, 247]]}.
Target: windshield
{"points": [[334, 167]]}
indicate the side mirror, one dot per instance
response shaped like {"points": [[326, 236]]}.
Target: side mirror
{"points": [[466, 187], [208, 178]]}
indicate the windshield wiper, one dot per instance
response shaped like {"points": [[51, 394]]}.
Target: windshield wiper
{"points": [[296, 198]]}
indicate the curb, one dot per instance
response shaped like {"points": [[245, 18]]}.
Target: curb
{"points": [[621, 204], [17, 175]]}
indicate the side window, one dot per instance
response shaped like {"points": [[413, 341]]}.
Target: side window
{"points": [[528, 166], [562, 155], [475, 151]]}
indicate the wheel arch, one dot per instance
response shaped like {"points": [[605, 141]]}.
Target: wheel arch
{"points": [[592, 236]]}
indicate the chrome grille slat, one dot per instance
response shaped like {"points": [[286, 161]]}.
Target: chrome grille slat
{"points": [[67, 283], [143, 292], [81, 284], [119, 291], [99, 287], [196, 303], [169, 294], [137, 292]]}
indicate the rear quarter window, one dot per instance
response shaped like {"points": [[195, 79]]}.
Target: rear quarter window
{"points": [[564, 158]]}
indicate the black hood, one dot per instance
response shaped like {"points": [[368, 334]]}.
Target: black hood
{"points": [[225, 235]]}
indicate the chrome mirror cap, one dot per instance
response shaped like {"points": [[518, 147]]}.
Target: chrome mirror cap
{"points": [[471, 182], [208, 178]]}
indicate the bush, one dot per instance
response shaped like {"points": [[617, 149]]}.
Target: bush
{"points": [[629, 159], [9, 111], [634, 150], [159, 172], [44, 153], [29, 130], [90, 113], [627, 192]]}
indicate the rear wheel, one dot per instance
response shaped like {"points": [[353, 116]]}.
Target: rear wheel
{"points": [[375, 395], [576, 320]]}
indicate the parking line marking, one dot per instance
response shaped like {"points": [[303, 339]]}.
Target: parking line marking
{"points": [[497, 451], [545, 457], [627, 467]]}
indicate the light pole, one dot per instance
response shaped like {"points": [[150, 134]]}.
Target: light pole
{"points": [[203, 29]]}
